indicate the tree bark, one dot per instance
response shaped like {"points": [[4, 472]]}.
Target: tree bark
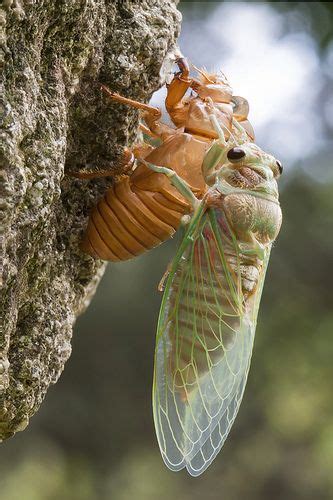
{"points": [[56, 120]]}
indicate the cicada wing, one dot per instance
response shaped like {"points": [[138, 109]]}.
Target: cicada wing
{"points": [[204, 344]]}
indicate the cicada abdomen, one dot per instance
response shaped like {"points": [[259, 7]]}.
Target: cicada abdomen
{"points": [[130, 220], [144, 209], [219, 295]]}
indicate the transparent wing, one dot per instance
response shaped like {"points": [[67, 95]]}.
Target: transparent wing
{"points": [[204, 343]]}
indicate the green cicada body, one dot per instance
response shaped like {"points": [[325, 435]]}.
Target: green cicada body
{"points": [[209, 310]]}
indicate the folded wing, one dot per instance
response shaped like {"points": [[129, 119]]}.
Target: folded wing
{"points": [[204, 344]]}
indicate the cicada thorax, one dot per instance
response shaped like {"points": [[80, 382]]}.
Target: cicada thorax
{"points": [[198, 121], [213, 91]]}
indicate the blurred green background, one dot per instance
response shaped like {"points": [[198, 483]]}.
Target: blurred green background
{"points": [[93, 437]]}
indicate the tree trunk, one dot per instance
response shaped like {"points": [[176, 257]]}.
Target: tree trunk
{"points": [[56, 120]]}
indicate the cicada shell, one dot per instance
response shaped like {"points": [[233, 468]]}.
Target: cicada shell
{"points": [[209, 168], [143, 209]]}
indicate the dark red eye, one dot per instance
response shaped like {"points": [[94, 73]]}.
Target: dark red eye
{"points": [[235, 154], [279, 165]]}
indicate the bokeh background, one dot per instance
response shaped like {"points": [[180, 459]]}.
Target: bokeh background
{"points": [[93, 437]]}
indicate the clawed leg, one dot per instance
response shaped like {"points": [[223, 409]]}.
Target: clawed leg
{"points": [[130, 102], [146, 130], [215, 154], [176, 91], [174, 103], [151, 115], [126, 163]]}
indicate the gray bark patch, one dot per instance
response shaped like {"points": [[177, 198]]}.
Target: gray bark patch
{"points": [[55, 121]]}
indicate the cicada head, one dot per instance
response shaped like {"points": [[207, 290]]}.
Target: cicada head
{"points": [[248, 167], [247, 183]]}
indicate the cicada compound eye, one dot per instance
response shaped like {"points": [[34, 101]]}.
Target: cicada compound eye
{"points": [[279, 166], [235, 154]]}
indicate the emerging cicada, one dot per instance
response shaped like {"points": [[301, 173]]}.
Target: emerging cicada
{"points": [[144, 209], [212, 293]]}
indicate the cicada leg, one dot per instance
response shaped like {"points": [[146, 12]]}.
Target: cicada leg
{"points": [[151, 114], [215, 154], [156, 128], [185, 191], [177, 89], [126, 164], [176, 181], [130, 102]]}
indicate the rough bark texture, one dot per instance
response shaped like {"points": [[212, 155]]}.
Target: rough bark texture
{"points": [[56, 120]]}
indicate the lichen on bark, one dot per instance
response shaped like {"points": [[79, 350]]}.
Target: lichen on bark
{"points": [[56, 120]]}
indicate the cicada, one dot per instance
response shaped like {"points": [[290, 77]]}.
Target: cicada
{"points": [[212, 291], [210, 304], [143, 209]]}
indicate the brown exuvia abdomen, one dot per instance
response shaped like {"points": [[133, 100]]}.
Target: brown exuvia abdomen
{"points": [[136, 214]]}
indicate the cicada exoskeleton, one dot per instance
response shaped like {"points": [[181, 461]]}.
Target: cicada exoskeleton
{"points": [[143, 209], [208, 168]]}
